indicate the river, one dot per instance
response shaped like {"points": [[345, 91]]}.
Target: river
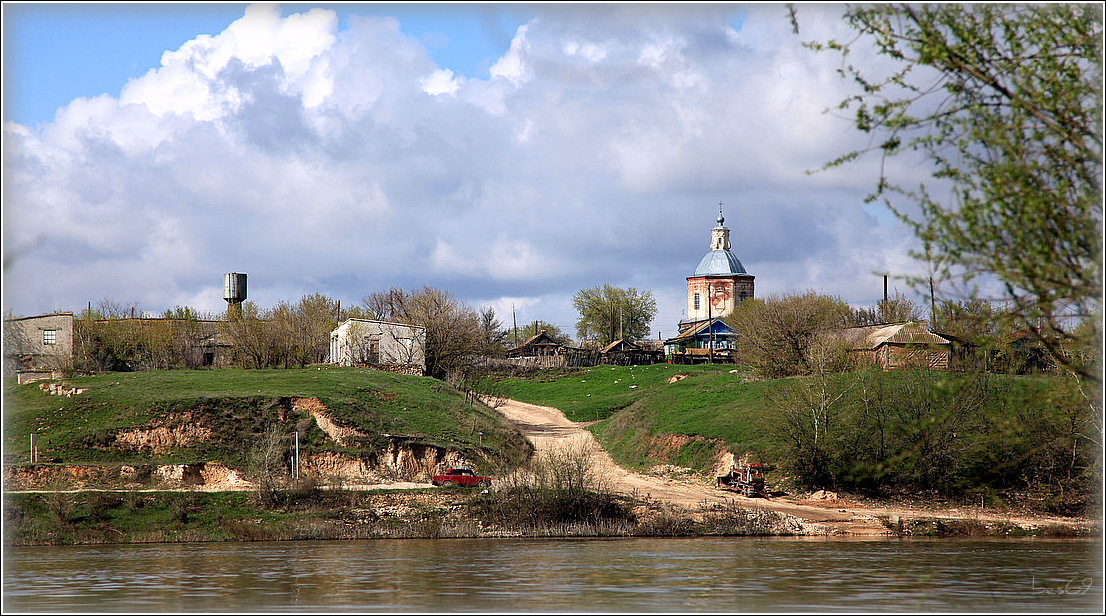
{"points": [[547, 575]]}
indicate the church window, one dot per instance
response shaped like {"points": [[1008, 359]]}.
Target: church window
{"points": [[696, 301], [742, 298]]}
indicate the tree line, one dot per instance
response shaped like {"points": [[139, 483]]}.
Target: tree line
{"points": [[115, 336], [797, 334], [289, 334]]}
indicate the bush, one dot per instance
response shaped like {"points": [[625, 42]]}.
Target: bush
{"points": [[559, 488]]}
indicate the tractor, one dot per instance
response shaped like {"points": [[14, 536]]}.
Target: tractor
{"points": [[746, 479]]}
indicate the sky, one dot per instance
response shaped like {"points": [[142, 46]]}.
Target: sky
{"points": [[510, 154]]}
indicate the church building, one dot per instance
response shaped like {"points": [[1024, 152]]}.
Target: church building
{"points": [[714, 289]]}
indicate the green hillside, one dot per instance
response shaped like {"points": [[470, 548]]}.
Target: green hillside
{"points": [[954, 434], [238, 406]]}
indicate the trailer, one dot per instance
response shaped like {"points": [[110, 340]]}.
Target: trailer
{"points": [[746, 479]]}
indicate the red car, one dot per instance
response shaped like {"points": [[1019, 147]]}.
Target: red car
{"points": [[460, 477]]}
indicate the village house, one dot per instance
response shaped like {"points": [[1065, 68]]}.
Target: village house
{"points": [[365, 342], [702, 342], [540, 344], [893, 346]]}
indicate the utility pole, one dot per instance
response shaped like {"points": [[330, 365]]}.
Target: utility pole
{"points": [[611, 320], [710, 324], [932, 305]]}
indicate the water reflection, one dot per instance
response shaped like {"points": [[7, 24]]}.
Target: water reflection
{"points": [[730, 575]]}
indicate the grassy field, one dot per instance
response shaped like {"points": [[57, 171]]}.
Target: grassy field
{"points": [[238, 406], [590, 394]]}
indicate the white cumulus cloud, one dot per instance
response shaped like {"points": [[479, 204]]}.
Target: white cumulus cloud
{"points": [[346, 161]]}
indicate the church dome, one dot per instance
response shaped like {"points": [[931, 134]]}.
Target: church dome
{"points": [[719, 262]]}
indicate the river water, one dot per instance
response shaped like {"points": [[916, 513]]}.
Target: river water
{"points": [[558, 575]]}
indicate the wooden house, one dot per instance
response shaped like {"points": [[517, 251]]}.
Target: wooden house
{"points": [[894, 346], [701, 342], [538, 345]]}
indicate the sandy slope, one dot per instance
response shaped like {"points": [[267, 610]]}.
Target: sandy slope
{"points": [[548, 429]]}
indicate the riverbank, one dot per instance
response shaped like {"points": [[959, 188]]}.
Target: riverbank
{"points": [[206, 502], [313, 513]]}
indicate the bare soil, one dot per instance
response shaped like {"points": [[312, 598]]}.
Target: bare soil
{"points": [[548, 429]]}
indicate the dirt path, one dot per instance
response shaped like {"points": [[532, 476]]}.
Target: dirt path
{"points": [[549, 430]]}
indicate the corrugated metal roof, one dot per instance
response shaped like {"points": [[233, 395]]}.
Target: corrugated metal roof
{"points": [[873, 336]]}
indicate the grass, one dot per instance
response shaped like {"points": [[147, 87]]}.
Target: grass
{"points": [[238, 405], [590, 394]]}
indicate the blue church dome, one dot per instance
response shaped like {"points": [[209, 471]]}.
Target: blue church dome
{"points": [[719, 262]]}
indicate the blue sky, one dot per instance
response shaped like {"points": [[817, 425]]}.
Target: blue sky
{"points": [[55, 52], [509, 154]]}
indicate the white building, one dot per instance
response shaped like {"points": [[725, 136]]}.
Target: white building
{"points": [[365, 342]]}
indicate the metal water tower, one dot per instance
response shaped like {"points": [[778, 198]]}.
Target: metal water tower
{"points": [[234, 290]]}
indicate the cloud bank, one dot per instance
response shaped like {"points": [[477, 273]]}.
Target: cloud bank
{"points": [[343, 162]]}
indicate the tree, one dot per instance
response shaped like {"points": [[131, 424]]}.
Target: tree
{"points": [[252, 339], [314, 317], [610, 313], [1004, 101], [453, 333], [493, 336], [184, 322], [265, 465], [385, 305], [898, 308], [976, 321], [805, 412], [779, 335]]}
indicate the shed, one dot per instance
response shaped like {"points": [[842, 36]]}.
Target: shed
{"points": [[629, 353]]}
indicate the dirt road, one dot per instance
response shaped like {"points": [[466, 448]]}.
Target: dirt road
{"points": [[549, 430]]}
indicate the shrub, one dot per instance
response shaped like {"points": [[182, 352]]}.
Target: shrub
{"points": [[561, 487]]}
